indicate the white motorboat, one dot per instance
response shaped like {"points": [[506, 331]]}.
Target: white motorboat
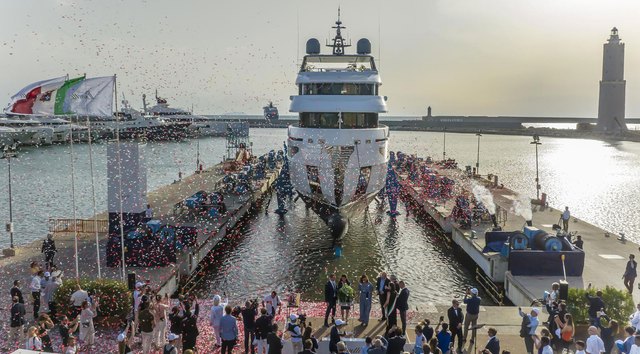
{"points": [[338, 152], [10, 136], [40, 135]]}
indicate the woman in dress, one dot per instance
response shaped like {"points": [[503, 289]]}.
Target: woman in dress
{"points": [[366, 291], [345, 297], [217, 311], [87, 330]]}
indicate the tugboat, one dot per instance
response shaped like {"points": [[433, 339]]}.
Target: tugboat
{"points": [[270, 112], [338, 152]]}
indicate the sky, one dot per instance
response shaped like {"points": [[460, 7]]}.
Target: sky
{"points": [[461, 57]]}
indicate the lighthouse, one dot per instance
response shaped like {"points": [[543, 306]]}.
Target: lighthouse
{"points": [[612, 87]]}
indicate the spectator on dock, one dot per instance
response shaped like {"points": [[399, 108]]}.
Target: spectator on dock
{"points": [[190, 326], [629, 341], [381, 285], [528, 327], [308, 336], [36, 287], [434, 347], [366, 292], [228, 331], [125, 339], [67, 328], [33, 341], [443, 338], [420, 341], [493, 344], [175, 325], [596, 305], [16, 292], [595, 345], [16, 324], [271, 302], [402, 304], [77, 298], [472, 300], [87, 329], [295, 333], [396, 341], [331, 298], [43, 326], [566, 215], [249, 313], [217, 312], [263, 327], [634, 319], [274, 341], [49, 296], [427, 330], [49, 250], [578, 242], [630, 273], [160, 307], [609, 333], [146, 327], [335, 334], [456, 319]]}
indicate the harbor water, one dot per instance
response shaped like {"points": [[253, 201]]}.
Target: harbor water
{"points": [[596, 179]]}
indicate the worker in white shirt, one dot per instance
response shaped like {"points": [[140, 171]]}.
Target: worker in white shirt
{"points": [[566, 215], [36, 287], [270, 302]]}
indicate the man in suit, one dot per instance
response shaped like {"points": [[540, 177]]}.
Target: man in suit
{"points": [[493, 345], [402, 304], [456, 318], [396, 341], [330, 297], [381, 286]]}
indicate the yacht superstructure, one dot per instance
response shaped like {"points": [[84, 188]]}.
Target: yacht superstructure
{"points": [[338, 152]]}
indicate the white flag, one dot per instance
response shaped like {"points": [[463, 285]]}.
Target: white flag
{"points": [[93, 97]]}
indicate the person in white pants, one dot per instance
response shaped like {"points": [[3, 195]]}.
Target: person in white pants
{"points": [[160, 318], [217, 311]]}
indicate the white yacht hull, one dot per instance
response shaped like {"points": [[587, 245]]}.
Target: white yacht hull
{"points": [[329, 169]]}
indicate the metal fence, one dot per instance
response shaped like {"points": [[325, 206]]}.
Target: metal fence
{"points": [[78, 225]]}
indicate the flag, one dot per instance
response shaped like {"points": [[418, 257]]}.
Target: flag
{"points": [[91, 97], [63, 95], [36, 94]]}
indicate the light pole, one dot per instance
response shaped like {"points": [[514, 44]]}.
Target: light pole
{"points": [[444, 143], [536, 142], [9, 151], [478, 134]]}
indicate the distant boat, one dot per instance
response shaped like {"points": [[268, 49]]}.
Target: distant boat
{"points": [[271, 112]]}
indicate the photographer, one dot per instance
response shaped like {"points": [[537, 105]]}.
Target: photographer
{"points": [[262, 329], [249, 313]]}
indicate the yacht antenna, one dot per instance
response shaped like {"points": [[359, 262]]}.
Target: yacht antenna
{"points": [[338, 42]]}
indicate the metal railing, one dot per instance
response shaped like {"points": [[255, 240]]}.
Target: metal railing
{"points": [[78, 225], [496, 294]]}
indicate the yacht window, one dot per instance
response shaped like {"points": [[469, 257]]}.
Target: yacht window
{"points": [[338, 89]]}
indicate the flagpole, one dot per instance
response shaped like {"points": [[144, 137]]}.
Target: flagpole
{"points": [[93, 191], [73, 201], [121, 225]]}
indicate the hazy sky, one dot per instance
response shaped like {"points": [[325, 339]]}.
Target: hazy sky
{"points": [[501, 57]]}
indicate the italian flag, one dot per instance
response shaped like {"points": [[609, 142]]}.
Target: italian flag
{"points": [[47, 97]]}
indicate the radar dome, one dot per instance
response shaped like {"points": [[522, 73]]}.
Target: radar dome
{"points": [[313, 46], [364, 46]]}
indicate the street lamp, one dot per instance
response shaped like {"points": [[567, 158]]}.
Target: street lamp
{"points": [[444, 143], [536, 142], [478, 159], [9, 151]]}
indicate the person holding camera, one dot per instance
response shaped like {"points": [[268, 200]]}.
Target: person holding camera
{"points": [[472, 300], [295, 333], [262, 328], [249, 313]]}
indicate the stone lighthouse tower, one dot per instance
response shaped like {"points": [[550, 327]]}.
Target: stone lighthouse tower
{"points": [[612, 87]]}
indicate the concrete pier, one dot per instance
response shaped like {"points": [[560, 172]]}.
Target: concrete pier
{"points": [[605, 255]]}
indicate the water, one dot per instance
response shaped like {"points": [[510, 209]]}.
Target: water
{"points": [[596, 179]]}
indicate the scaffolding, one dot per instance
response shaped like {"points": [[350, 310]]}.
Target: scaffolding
{"points": [[237, 138]]}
